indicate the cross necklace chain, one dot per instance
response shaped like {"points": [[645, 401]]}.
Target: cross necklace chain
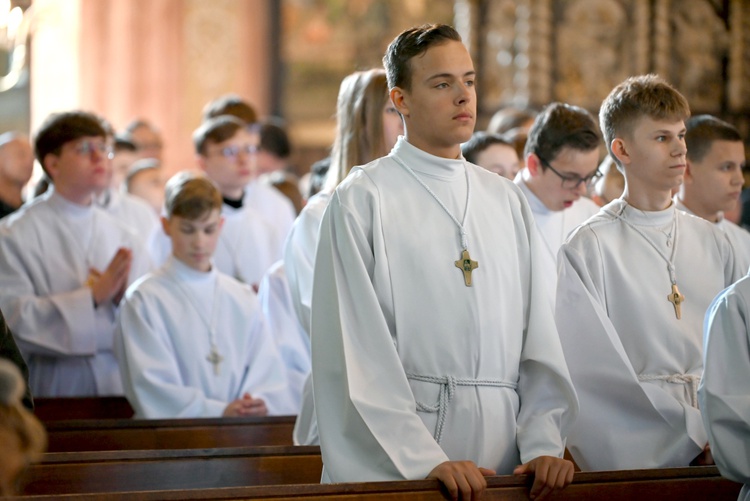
{"points": [[214, 357], [675, 297], [464, 263]]}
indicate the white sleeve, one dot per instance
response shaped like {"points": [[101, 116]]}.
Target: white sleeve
{"points": [[724, 392]]}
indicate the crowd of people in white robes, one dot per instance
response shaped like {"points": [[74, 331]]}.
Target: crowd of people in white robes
{"points": [[448, 303]]}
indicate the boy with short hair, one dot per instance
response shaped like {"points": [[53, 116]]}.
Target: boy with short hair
{"points": [[713, 179], [634, 284], [425, 365], [192, 341], [65, 264], [561, 161]]}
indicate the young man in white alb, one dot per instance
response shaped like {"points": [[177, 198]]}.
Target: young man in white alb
{"points": [[561, 157], [634, 285], [65, 264], [713, 179], [434, 348]]}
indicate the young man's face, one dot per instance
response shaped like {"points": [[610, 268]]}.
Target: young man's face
{"points": [[231, 163], [653, 155], [560, 190], [714, 184], [194, 241], [16, 161], [501, 159], [80, 169], [440, 108]]}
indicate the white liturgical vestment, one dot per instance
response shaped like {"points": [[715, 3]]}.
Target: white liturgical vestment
{"points": [[634, 364], [299, 263], [724, 391], [554, 227], [46, 250], [411, 367], [293, 342], [739, 238], [167, 322], [273, 205], [133, 212], [247, 247]]}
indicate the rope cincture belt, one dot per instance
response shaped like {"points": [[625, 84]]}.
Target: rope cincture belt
{"points": [[448, 385], [692, 379]]}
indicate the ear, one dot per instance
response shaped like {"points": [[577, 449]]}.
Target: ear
{"points": [[688, 178], [51, 165], [165, 226], [201, 161], [620, 150], [399, 100], [534, 165]]}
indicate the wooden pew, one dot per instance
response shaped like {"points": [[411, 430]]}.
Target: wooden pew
{"points": [[58, 409], [134, 434], [116, 471], [670, 484]]}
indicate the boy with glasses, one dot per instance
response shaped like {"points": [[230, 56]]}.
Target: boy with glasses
{"points": [[65, 264], [634, 285], [562, 157]]}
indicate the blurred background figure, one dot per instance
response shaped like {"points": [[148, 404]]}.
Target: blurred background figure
{"points": [[144, 179], [22, 436], [610, 185], [492, 152], [16, 166], [146, 138], [125, 155]]}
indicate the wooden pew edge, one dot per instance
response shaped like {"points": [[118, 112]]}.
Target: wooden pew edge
{"points": [[106, 424], [385, 488], [156, 454]]}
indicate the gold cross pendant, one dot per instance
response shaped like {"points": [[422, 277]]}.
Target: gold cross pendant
{"points": [[215, 358], [676, 298], [466, 265]]}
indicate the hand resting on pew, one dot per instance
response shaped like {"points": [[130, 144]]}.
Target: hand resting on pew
{"points": [[462, 477], [246, 406], [551, 474]]}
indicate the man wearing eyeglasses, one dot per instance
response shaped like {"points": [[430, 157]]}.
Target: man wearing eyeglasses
{"points": [[561, 161], [65, 264]]}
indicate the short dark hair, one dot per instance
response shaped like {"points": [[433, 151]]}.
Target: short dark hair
{"points": [[216, 130], [479, 142], [122, 143], [274, 139], [190, 197], [559, 126], [411, 43], [702, 131], [637, 97], [61, 128], [230, 104]]}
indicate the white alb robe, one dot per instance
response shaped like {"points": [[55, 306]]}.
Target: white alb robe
{"points": [[46, 250], [292, 341], [299, 263], [390, 310], [739, 238], [133, 212], [554, 227], [622, 339], [275, 207], [724, 391], [247, 247], [163, 341]]}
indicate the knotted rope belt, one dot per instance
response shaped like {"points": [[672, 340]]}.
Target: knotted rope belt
{"points": [[692, 379], [448, 385]]}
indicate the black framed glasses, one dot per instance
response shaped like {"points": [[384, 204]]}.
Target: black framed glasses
{"points": [[86, 148], [572, 181]]}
